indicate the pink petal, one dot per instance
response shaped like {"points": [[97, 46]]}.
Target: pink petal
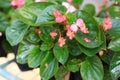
{"points": [[74, 28]]}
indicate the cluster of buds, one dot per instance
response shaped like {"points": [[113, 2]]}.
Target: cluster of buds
{"points": [[59, 18]]}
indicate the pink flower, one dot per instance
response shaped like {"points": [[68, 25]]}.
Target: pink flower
{"points": [[38, 31], [101, 53], [0, 34], [70, 34], [84, 30], [74, 28], [80, 23], [70, 7], [53, 34], [17, 3], [87, 40], [61, 41], [70, 1], [57, 13], [40, 0], [67, 27], [107, 24], [59, 18]]}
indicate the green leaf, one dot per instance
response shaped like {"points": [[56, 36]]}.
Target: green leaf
{"points": [[73, 65], [107, 75], [49, 66], [115, 44], [46, 46], [45, 36], [61, 53], [73, 47], [16, 32], [47, 17], [93, 28], [92, 69], [29, 13], [107, 57], [115, 66], [71, 18], [77, 2], [114, 11], [90, 8], [35, 57], [32, 36], [115, 30], [23, 51], [61, 73]]}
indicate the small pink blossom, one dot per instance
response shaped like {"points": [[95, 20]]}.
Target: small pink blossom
{"points": [[53, 34], [101, 53], [67, 27], [0, 34], [70, 34], [40, 0], [70, 7], [17, 3], [107, 24], [70, 1], [74, 28], [37, 31], [57, 13], [80, 23], [87, 40], [84, 30], [61, 41]]}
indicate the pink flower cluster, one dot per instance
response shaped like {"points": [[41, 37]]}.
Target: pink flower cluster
{"points": [[17, 3], [59, 18], [107, 24], [79, 25]]}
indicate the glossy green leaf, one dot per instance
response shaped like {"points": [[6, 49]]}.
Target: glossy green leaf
{"points": [[73, 65], [115, 44], [49, 66], [47, 17], [71, 18], [29, 13], [16, 32], [40, 13], [77, 2], [115, 30], [61, 73], [92, 69], [45, 36], [23, 51], [114, 11], [73, 47], [46, 46], [61, 53], [115, 66], [32, 36], [93, 28], [90, 8], [35, 57]]}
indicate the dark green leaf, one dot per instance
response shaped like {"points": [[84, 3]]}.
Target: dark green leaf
{"points": [[77, 2], [92, 69], [93, 28], [29, 13], [115, 30], [46, 46], [35, 57], [61, 73], [16, 32], [90, 8], [31, 36], [61, 53], [115, 66], [49, 66], [71, 18], [45, 36], [23, 51], [115, 44]]}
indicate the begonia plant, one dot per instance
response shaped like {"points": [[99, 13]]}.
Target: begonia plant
{"points": [[60, 37]]}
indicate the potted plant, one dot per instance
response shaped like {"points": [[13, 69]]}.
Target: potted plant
{"points": [[61, 39]]}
